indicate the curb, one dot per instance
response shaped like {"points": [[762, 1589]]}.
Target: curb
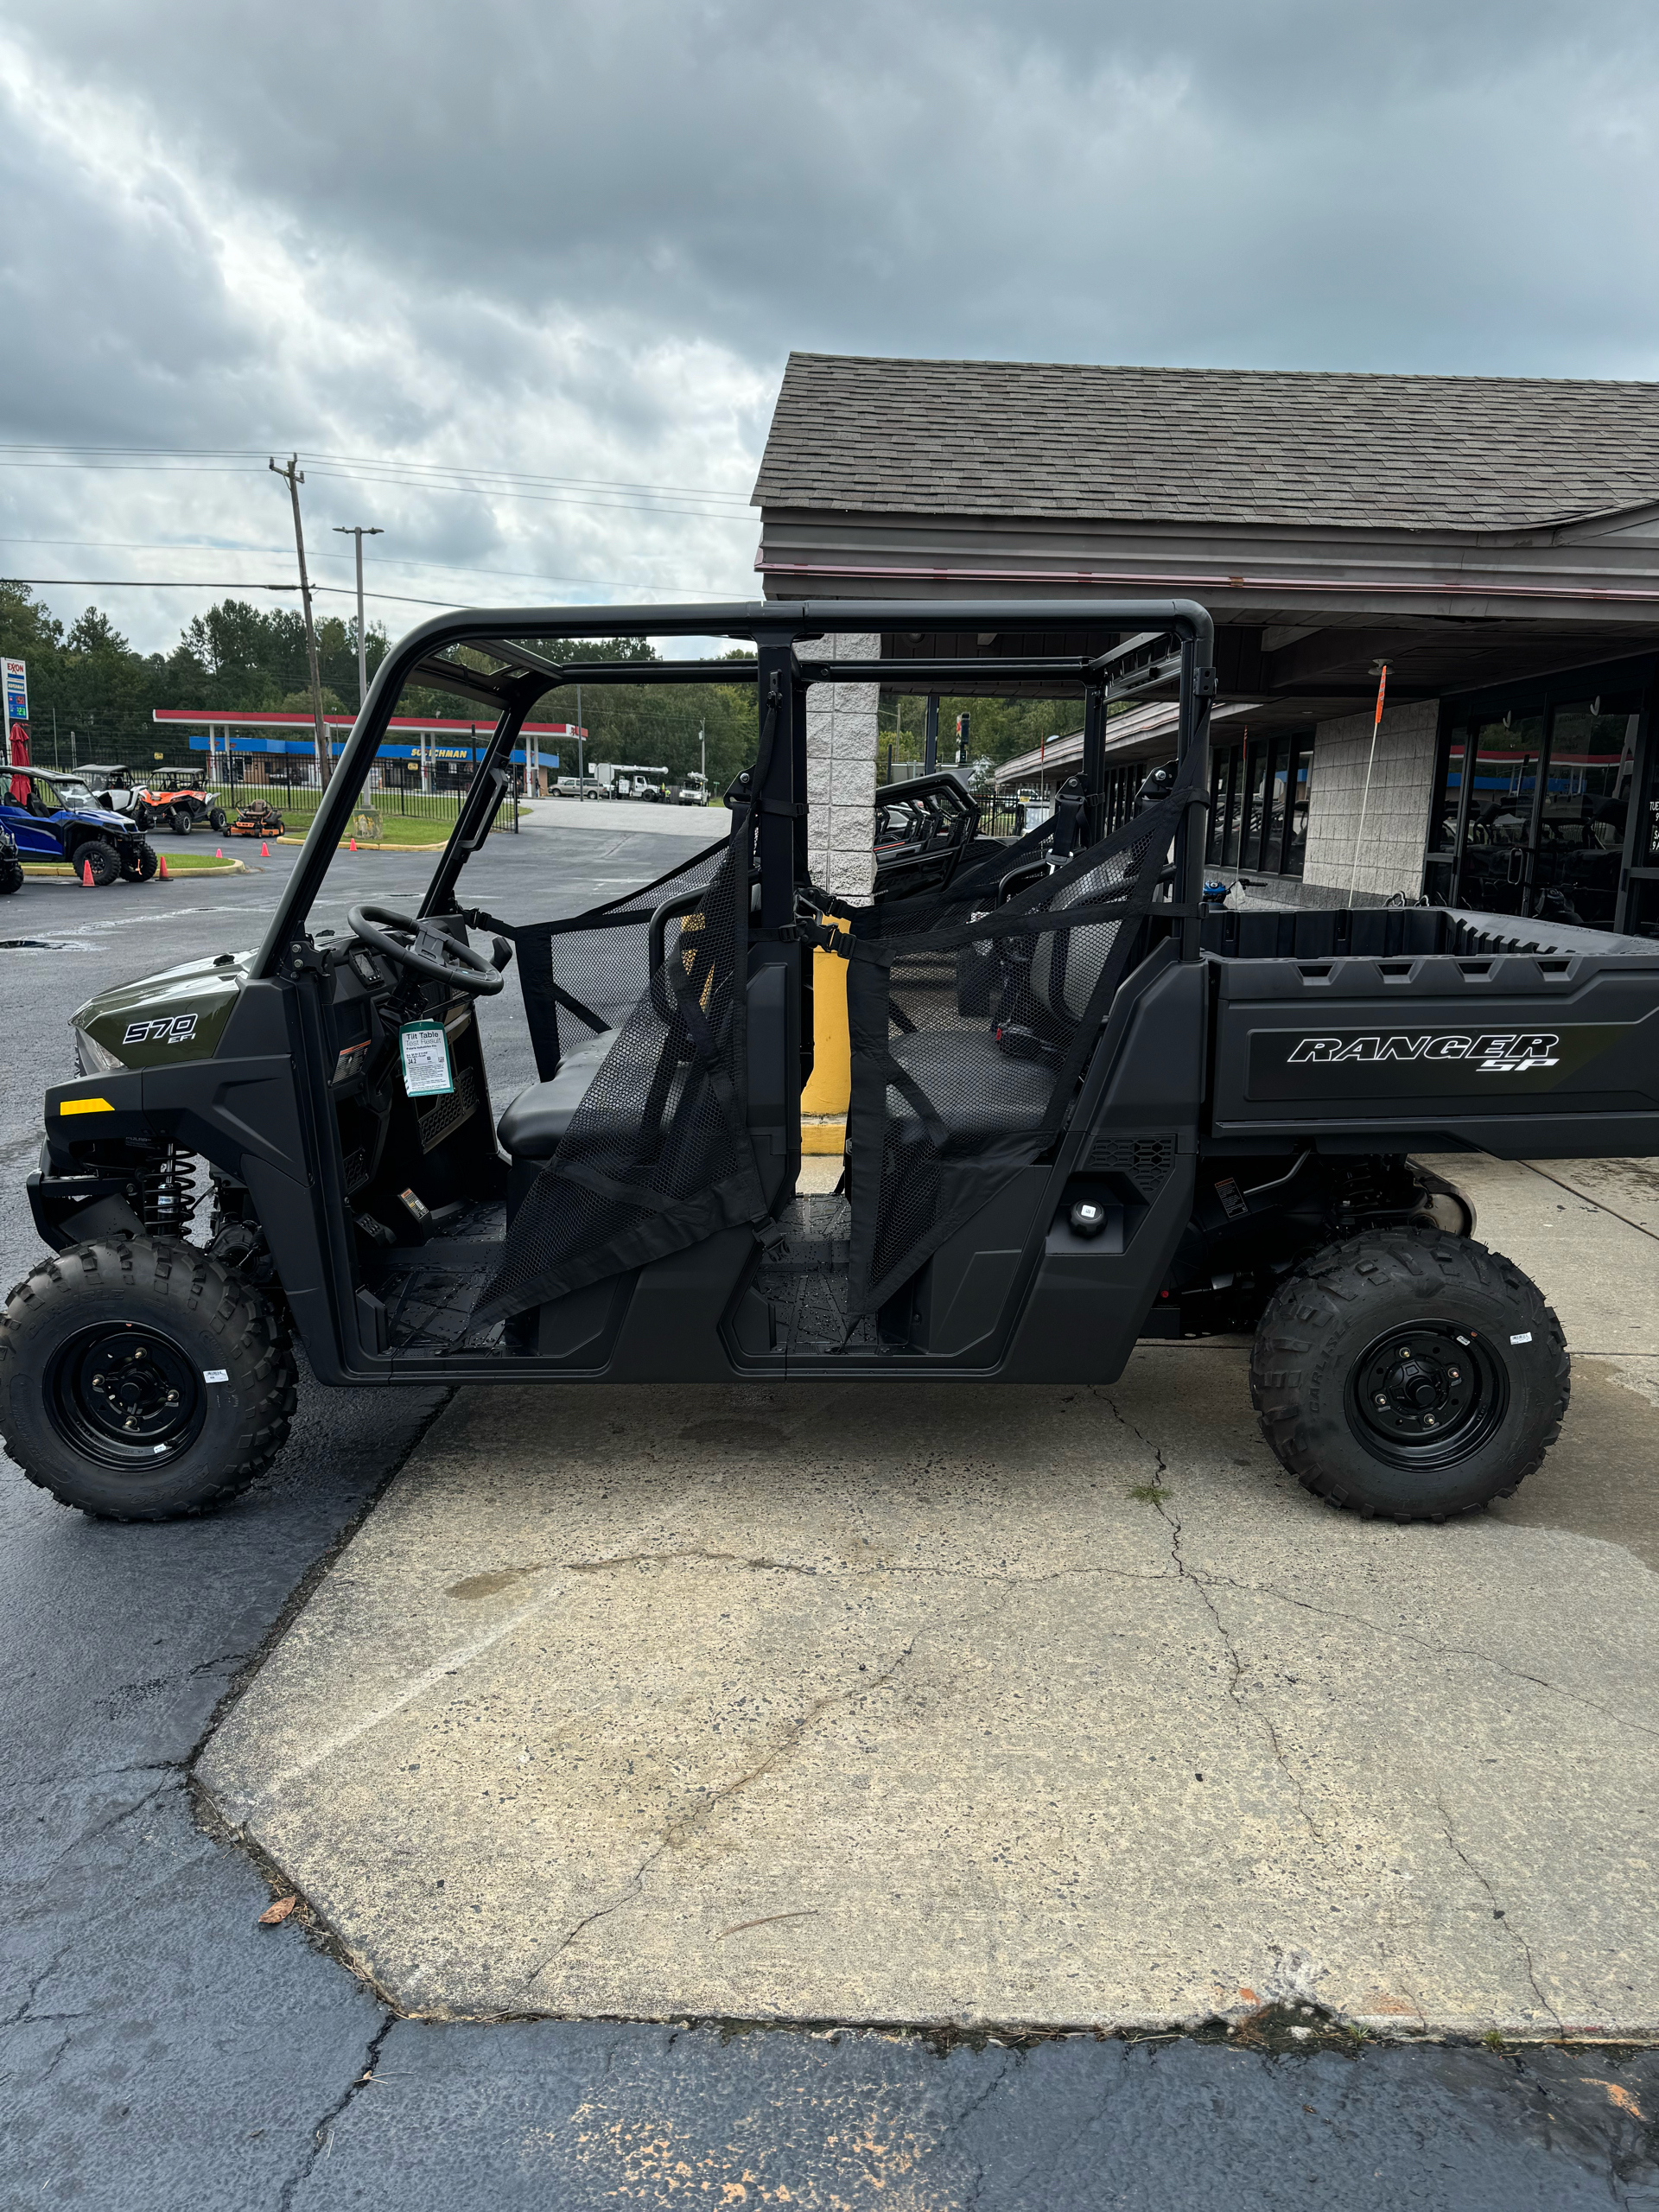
{"points": [[365, 846], [36, 869]]}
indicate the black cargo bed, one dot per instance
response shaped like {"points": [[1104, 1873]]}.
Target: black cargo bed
{"points": [[1390, 1028]]}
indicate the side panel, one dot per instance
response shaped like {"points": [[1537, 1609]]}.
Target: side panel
{"points": [[1134, 1143], [1521, 1054]]}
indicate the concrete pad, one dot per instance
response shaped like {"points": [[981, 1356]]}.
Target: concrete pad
{"points": [[1003, 1706]]}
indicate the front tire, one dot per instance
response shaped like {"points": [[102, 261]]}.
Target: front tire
{"points": [[218, 820], [111, 1357], [1409, 1374], [103, 860], [183, 821], [142, 869]]}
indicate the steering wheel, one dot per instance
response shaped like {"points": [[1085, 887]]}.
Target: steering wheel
{"points": [[425, 950]]}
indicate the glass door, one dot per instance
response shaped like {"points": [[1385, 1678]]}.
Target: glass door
{"points": [[1581, 843], [1500, 838]]}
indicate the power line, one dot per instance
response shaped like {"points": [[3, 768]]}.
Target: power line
{"points": [[382, 560], [507, 475], [345, 591], [468, 481]]}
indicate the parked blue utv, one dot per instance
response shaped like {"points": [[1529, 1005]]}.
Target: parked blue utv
{"points": [[55, 818]]}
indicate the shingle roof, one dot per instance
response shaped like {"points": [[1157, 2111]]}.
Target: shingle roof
{"points": [[1035, 438]]}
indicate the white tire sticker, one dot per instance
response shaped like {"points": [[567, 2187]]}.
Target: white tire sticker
{"points": [[223, 1374], [1525, 1337]]}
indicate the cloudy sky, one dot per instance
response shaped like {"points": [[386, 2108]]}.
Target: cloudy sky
{"points": [[518, 279]]}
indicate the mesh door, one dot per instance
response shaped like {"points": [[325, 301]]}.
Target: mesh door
{"points": [[973, 1016], [657, 1155]]}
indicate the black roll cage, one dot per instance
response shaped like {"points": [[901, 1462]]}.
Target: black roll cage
{"points": [[783, 674]]}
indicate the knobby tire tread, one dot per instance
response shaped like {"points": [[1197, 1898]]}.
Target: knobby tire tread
{"points": [[252, 1336], [1302, 1311]]}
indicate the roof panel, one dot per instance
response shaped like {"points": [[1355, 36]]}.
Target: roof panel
{"points": [[1027, 438]]}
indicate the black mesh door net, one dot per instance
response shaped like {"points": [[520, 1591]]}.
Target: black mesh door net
{"points": [[636, 1011], [973, 1015]]}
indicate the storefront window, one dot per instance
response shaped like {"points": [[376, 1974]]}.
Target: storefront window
{"points": [[1259, 794], [1532, 804], [1220, 781], [1301, 791]]}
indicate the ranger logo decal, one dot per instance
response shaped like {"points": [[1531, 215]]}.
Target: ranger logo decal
{"points": [[168, 1029], [1497, 1052]]}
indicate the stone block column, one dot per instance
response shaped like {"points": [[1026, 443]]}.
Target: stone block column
{"points": [[841, 748], [1396, 816]]}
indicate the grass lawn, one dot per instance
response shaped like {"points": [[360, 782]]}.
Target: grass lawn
{"points": [[395, 829]]}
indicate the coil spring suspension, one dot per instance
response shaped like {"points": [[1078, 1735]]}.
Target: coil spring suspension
{"points": [[167, 1197]]}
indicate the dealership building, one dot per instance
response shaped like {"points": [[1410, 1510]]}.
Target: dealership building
{"points": [[1491, 543]]}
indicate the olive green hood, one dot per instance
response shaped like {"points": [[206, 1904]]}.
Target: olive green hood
{"points": [[179, 1014]]}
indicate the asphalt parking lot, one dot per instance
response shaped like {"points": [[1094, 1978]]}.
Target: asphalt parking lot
{"points": [[1411, 1765]]}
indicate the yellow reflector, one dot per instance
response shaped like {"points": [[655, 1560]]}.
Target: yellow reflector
{"points": [[85, 1106]]}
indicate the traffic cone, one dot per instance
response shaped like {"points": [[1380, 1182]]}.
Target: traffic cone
{"points": [[219, 851], [160, 868], [86, 875], [353, 844], [264, 850]]}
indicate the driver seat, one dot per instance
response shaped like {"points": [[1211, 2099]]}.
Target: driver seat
{"points": [[535, 1123]]}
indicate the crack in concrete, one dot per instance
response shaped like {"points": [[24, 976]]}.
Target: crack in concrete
{"points": [[666, 1559], [323, 2134], [1499, 1912], [1439, 1651], [1236, 1679], [679, 1832], [1584, 1199], [988, 1575]]}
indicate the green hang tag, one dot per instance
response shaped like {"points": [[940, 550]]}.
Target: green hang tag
{"points": [[427, 1073]]}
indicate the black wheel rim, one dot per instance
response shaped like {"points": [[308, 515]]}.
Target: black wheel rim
{"points": [[1428, 1394], [126, 1396]]}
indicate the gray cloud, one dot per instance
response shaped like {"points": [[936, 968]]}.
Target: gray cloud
{"points": [[580, 240]]}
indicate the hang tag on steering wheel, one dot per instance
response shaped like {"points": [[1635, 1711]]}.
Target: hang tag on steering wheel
{"points": [[425, 1049]]}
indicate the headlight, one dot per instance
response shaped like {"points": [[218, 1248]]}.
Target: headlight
{"points": [[93, 1058]]}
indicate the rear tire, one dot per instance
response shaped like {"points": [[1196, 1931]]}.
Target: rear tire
{"points": [[1409, 1374], [106, 1351], [11, 877]]}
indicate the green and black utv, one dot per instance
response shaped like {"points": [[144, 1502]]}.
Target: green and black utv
{"points": [[1083, 1110]]}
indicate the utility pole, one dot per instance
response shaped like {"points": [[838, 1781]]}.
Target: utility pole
{"points": [[359, 531], [702, 749], [294, 477]]}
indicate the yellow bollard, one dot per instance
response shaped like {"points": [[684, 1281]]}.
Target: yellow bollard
{"points": [[824, 1100]]}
